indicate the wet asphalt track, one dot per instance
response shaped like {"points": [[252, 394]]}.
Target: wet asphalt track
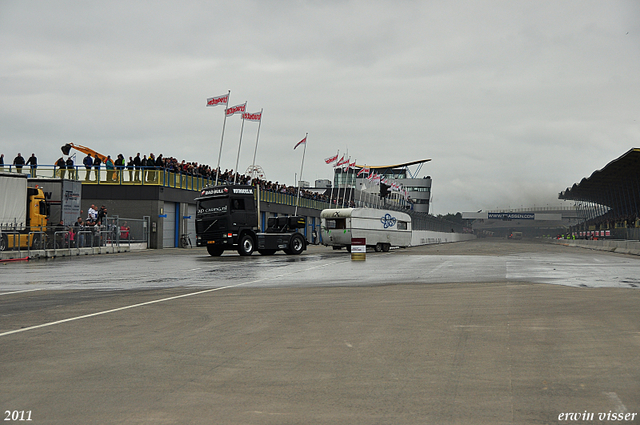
{"points": [[320, 266], [477, 332]]}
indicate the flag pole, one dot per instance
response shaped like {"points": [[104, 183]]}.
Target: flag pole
{"points": [[224, 123], [239, 144], [301, 167], [255, 150], [355, 181], [346, 181], [333, 180], [360, 200]]}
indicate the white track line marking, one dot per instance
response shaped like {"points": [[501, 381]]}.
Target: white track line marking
{"points": [[20, 292], [619, 407], [100, 313]]}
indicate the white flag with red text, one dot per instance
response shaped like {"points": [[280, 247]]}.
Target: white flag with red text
{"points": [[342, 162], [218, 100], [363, 170], [256, 116], [236, 109], [331, 159]]}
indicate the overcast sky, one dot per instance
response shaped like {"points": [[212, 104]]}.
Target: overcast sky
{"points": [[513, 101]]}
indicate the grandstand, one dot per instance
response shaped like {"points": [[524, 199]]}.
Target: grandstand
{"points": [[608, 200]]}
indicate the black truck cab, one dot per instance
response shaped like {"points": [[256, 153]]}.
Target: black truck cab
{"points": [[227, 219]]}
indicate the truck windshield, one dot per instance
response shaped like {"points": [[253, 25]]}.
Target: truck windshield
{"points": [[213, 206]]}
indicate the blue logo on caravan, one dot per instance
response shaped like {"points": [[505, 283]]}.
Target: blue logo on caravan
{"points": [[388, 221]]}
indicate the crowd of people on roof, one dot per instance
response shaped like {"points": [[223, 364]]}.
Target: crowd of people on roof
{"points": [[143, 169]]}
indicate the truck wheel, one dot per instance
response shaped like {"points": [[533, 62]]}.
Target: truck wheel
{"points": [[385, 247], [378, 247], [246, 245], [4, 243], [267, 251], [214, 251], [296, 245]]}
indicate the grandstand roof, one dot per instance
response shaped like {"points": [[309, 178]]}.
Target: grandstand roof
{"points": [[385, 167], [618, 181]]}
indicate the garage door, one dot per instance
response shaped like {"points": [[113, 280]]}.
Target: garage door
{"points": [[169, 225]]}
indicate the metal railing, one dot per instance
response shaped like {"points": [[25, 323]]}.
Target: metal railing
{"points": [[143, 176]]}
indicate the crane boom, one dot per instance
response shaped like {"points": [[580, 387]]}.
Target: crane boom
{"points": [[66, 148]]}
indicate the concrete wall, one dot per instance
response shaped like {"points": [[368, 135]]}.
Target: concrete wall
{"points": [[617, 246], [426, 237]]}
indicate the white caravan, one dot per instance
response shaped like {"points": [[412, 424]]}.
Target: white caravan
{"points": [[382, 229]]}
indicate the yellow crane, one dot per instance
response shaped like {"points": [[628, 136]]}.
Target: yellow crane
{"points": [[67, 148]]}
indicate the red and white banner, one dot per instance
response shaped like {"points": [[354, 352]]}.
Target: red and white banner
{"points": [[236, 109], [256, 116], [215, 101], [331, 159], [372, 176], [363, 170], [342, 161], [352, 165], [300, 142]]}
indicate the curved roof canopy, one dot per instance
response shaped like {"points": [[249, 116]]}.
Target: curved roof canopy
{"points": [[386, 167], [617, 185]]}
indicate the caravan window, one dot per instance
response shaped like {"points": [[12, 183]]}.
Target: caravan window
{"points": [[336, 223], [402, 225]]}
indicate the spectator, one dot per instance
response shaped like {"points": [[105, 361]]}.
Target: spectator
{"points": [[61, 167], [145, 163], [1, 162], [33, 163], [88, 163], [18, 161], [124, 231], [102, 215], [130, 168], [108, 164], [92, 215], [151, 165], [119, 164], [137, 162], [78, 227], [70, 169], [159, 166], [96, 167]]}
